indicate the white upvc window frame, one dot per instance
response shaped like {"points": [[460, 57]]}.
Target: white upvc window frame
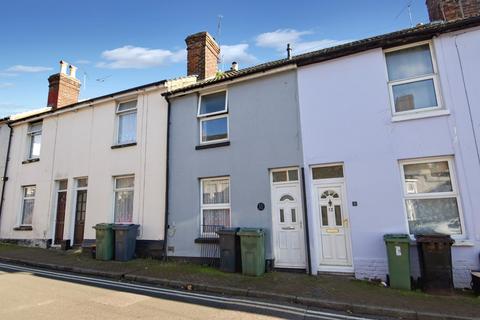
{"points": [[439, 109], [213, 116], [434, 195], [287, 173], [215, 205], [115, 190], [119, 114], [24, 197], [31, 134]]}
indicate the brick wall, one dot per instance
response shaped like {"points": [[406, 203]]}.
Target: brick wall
{"points": [[202, 55], [449, 10], [63, 90]]}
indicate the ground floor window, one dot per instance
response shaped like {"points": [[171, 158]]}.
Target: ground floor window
{"points": [[215, 204], [431, 196], [123, 206], [28, 203]]}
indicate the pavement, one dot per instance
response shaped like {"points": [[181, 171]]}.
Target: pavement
{"points": [[41, 294], [338, 294]]}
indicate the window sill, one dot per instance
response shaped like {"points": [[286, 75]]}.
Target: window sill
{"points": [[212, 145], [420, 115], [457, 243], [124, 145], [30, 160], [212, 240], [23, 228]]}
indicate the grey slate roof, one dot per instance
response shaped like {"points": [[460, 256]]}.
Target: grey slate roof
{"points": [[419, 33]]}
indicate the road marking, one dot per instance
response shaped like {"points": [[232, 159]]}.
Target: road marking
{"points": [[188, 295]]}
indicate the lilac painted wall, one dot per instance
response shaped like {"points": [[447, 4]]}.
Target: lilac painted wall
{"points": [[346, 117]]}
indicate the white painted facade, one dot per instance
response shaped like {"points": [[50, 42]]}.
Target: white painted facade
{"points": [[77, 142], [346, 118]]}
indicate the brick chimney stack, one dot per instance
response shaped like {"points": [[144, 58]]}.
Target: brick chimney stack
{"points": [[63, 88], [203, 54], [449, 10]]}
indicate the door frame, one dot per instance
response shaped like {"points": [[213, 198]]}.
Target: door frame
{"points": [[73, 207], [332, 182], [54, 209], [301, 206]]}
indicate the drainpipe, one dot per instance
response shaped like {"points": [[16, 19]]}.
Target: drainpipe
{"points": [[305, 218], [4, 177], [165, 225]]}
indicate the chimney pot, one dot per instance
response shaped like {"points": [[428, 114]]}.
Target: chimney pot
{"points": [[203, 53], [73, 71], [63, 66], [234, 66]]}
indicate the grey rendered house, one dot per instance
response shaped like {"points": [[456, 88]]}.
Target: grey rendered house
{"points": [[234, 156]]}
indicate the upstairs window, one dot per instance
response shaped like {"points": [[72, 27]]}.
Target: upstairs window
{"points": [[34, 140], [412, 79], [28, 203], [127, 122], [213, 117]]}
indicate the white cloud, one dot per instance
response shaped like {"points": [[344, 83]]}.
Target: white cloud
{"points": [[279, 39], [6, 85], [83, 61], [238, 53], [8, 74], [302, 47], [131, 57], [7, 108], [26, 69]]}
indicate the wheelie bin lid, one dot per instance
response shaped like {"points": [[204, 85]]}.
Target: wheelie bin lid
{"points": [[440, 238], [252, 232], [227, 231], [125, 226], [103, 226], [396, 237]]}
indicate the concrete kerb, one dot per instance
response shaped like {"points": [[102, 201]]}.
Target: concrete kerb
{"points": [[309, 302]]}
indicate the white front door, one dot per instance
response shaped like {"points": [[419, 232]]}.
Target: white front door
{"points": [[288, 226], [334, 234]]}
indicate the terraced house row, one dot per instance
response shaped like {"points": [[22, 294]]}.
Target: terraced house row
{"points": [[326, 151]]}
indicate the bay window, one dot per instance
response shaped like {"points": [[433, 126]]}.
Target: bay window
{"points": [[215, 204], [412, 79], [431, 197], [213, 117], [123, 199]]}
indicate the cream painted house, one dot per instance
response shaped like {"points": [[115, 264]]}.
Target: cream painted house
{"points": [[76, 164]]}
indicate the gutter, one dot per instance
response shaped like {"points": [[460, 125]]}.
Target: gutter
{"points": [[165, 224], [4, 177], [305, 218]]}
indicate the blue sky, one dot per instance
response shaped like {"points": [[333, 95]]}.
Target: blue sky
{"points": [[121, 44]]}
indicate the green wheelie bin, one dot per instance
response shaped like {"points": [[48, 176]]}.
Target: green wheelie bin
{"points": [[104, 241], [398, 252], [252, 244]]}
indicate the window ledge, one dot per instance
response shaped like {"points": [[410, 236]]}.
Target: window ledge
{"points": [[23, 228], [463, 243], [30, 160], [207, 240], [212, 145], [124, 145], [420, 115], [457, 243]]}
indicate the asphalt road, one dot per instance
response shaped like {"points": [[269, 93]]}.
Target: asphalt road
{"points": [[29, 293]]}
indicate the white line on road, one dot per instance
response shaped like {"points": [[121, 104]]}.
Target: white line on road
{"points": [[188, 295]]}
